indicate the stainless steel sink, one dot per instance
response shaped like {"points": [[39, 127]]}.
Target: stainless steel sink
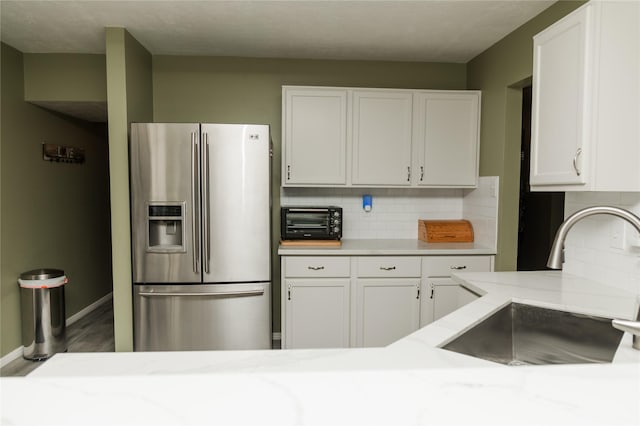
{"points": [[528, 335]]}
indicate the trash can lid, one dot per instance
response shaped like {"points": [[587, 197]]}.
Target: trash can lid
{"points": [[42, 278], [41, 274]]}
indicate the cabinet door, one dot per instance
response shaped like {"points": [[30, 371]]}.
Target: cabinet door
{"points": [[560, 117], [386, 310], [315, 136], [381, 137], [317, 313], [441, 297], [447, 137]]}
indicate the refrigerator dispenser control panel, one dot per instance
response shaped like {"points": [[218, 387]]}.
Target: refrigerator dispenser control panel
{"points": [[166, 228]]}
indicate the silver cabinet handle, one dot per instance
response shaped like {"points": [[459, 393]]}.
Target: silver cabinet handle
{"points": [[387, 268], [408, 174], [289, 292], [458, 268], [315, 268], [575, 161], [421, 173], [213, 294], [418, 293], [195, 229], [206, 221]]}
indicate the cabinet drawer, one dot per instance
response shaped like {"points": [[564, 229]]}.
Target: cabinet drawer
{"points": [[444, 266], [388, 266], [316, 266]]}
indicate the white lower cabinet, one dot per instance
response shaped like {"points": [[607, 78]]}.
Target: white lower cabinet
{"points": [[316, 300], [386, 310], [317, 313], [368, 301], [387, 296], [441, 296]]}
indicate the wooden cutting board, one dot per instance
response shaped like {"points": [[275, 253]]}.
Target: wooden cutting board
{"points": [[445, 231], [310, 243]]}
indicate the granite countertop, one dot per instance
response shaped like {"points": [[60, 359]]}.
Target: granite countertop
{"points": [[358, 247], [411, 381]]}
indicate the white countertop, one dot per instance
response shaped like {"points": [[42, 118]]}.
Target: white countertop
{"points": [[389, 248], [409, 382]]}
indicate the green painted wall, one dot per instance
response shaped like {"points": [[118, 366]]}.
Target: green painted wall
{"points": [[238, 90], [65, 77], [129, 94], [500, 72], [53, 215]]}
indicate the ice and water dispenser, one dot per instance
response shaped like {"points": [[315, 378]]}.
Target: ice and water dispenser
{"points": [[166, 227]]}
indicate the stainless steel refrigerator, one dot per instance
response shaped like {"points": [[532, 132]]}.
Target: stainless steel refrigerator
{"points": [[200, 197]]}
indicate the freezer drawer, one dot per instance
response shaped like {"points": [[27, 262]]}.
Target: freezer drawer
{"points": [[202, 317]]}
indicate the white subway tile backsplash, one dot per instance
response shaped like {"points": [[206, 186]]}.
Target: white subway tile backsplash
{"points": [[588, 248], [396, 211], [480, 207]]}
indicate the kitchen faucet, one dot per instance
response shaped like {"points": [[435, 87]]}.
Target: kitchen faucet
{"points": [[556, 257]]}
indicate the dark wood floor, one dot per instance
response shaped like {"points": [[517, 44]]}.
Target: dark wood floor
{"points": [[92, 333]]}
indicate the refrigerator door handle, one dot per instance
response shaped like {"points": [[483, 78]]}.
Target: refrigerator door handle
{"points": [[195, 231], [259, 292], [206, 222]]}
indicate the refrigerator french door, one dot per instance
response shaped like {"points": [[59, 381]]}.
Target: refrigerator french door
{"points": [[200, 198]]}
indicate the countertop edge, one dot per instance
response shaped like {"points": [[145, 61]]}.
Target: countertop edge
{"points": [[389, 247]]}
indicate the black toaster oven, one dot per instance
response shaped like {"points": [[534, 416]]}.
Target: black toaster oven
{"points": [[311, 223]]}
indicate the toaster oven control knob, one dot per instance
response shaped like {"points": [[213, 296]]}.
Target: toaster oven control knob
{"points": [[336, 229], [336, 214], [336, 221]]}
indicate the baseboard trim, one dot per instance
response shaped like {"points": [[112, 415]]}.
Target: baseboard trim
{"points": [[81, 313], [13, 355], [17, 352]]}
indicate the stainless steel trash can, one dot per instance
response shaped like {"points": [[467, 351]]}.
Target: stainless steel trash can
{"points": [[43, 313]]}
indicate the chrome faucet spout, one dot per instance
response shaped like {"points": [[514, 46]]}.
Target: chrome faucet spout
{"points": [[557, 249], [632, 327]]}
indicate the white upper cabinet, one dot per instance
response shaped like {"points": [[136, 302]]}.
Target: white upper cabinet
{"points": [[446, 133], [586, 86], [381, 137], [315, 136], [368, 137]]}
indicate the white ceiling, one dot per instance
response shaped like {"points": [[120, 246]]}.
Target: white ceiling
{"points": [[432, 31]]}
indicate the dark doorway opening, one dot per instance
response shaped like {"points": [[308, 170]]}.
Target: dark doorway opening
{"points": [[540, 213]]}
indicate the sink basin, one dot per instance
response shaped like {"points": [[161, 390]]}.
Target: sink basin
{"points": [[528, 335]]}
